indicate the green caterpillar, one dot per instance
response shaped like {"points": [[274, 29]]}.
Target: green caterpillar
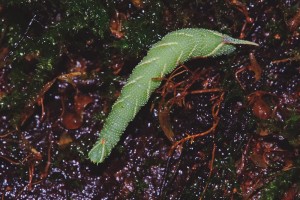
{"points": [[175, 48]]}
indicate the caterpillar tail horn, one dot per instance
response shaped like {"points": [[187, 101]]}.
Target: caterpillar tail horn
{"points": [[230, 40]]}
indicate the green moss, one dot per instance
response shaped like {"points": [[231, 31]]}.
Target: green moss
{"points": [[142, 30], [276, 188], [45, 32], [291, 129], [89, 14]]}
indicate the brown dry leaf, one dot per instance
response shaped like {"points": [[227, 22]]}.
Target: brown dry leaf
{"points": [[71, 120], [164, 121], [115, 25], [32, 56], [36, 153], [288, 165], [254, 67], [138, 3], [291, 193], [264, 132], [81, 101], [64, 140], [261, 109], [78, 65], [258, 160], [294, 23]]}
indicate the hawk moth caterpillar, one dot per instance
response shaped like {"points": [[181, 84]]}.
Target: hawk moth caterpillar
{"points": [[173, 49]]}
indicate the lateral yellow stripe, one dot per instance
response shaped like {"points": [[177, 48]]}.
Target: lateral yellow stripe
{"points": [[215, 49], [165, 44]]}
